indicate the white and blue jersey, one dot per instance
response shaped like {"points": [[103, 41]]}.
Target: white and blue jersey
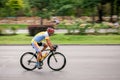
{"points": [[38, 38], [41, 36]]}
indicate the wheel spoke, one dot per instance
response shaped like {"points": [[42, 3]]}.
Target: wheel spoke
{"points": [[56, 61], [28, 61]]}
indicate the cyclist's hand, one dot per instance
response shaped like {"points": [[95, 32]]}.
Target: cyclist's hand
{"points": [[52, 48]]}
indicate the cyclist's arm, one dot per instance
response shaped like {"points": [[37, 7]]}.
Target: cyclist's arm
{"points": [[49, 44]]}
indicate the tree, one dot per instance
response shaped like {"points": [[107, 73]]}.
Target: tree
{"points": [[14, 6], [115, 5], [3, 10], [40, 8], [2, 3], [91, 4], [78, 7], [47, 8], [53, 7], [64, 7], [27, 9], [99, 4]]}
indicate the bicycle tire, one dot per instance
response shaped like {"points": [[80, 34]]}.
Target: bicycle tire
{"points": [[56, 54], [24, 56]]}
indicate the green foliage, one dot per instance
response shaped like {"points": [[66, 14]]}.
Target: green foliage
{"points": [[104, 26], [3, 12], [61, 25], [118, 30], [47, 8], [88, 28], [84, 27], [14, 29], [27, 8], [2, 3], [1, 30], [90, 3], [71, 28], [14, 7], [15, 4], [66, 10]]}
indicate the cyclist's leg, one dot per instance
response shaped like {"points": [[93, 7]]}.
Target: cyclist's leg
{"points": [[44, 46], [39, 54], [37, 49]]}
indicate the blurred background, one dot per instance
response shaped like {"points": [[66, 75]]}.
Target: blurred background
{"points": [[71, 18]]}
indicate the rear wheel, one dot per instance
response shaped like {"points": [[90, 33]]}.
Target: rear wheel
{"points": [[28, 61], [56, 61]]}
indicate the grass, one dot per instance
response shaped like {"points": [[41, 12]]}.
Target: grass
{"points": [[86, 39], [63, 39], [15, 39], [7, 26]]}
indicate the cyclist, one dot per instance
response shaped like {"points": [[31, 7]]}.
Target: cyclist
{"points": [[37, 42]]}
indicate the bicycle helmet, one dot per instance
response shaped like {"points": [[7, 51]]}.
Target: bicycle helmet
{"points": [[50, 30]]}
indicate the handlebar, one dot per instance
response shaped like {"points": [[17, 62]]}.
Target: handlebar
{"points": [[54, 46]]}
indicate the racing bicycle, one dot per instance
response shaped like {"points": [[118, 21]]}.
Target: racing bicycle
{"points": [[55, 60]]}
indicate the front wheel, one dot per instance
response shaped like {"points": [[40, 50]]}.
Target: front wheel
{"points": [[28, 61], [56, 61]]}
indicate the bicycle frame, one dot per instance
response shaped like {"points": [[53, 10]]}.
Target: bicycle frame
{"points": [[49, 53]]}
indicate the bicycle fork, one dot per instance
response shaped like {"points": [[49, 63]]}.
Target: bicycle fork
{"points": [[54, 56]]}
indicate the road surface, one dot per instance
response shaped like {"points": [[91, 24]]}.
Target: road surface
{"points": [[83, 63]]}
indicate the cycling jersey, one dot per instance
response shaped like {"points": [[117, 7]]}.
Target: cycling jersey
{"points": [[38, 39], [41, 36]]}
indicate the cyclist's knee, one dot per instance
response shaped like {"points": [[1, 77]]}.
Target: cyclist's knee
{"points": [[45, 45]]}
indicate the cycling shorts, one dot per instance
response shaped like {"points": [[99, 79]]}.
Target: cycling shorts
{"points": [[36, 46]]}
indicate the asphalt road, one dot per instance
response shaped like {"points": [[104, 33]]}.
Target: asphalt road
{"points": [[83, 63]]}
